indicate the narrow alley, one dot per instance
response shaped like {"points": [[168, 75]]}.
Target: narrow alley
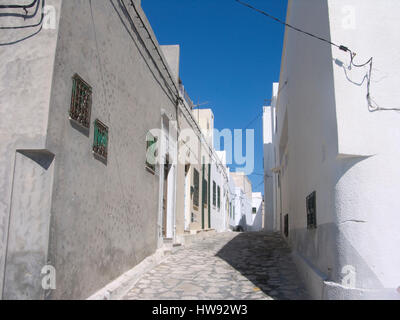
{"points": [[225, 266]]}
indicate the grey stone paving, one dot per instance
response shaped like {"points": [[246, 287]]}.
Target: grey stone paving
{"points": [[225, 266]]}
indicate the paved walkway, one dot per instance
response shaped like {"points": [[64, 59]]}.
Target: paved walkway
{"points": [[225, 266]]}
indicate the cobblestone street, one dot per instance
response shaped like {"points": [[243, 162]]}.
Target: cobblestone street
{"points": [[225, 266]]}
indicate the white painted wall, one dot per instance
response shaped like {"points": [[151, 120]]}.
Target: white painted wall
{"points": [[269, 164], [218, 215], [329, 142], [257, 218]]}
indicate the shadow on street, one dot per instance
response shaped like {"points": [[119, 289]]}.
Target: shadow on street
{"points": [[264, 259]]}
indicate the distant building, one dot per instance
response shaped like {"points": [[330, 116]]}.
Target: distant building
{"points": [[91, 184], [242, 202], [257, 212]]}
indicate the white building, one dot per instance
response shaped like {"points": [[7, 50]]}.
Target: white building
{"points": [[219, 193], [257, 218], [272, 221], [241, 218], [337, 152]]}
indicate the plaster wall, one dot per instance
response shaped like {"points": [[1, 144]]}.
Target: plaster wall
{"points": [[327, 141], [26, 73], [218, 215], [258, 216], [112, 208], [366, 199], [306, 137], [103, 218], [269, 164]]}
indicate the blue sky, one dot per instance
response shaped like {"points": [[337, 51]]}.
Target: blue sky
{"points": [[230, 56]]}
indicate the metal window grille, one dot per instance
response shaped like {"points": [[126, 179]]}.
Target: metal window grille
{"points": [[100, 143], [312, 211], [254, 210], [81, 102]]}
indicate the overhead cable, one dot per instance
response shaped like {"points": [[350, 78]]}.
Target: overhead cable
{"points": [[372, 106]]}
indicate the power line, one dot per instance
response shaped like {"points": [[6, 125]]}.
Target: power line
{"points": [[20, 15], [27, 17], [286, 24], [40, 23], [254, 120], [371, 106], [18, 6]]}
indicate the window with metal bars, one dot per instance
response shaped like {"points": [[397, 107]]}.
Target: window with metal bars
{"points": [[100, 143], [311, 204], [81, 102]]}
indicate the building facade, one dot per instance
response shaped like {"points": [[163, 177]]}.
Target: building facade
{"points": [[90, 178], [257, 212], [242, 217], [336, 143]]}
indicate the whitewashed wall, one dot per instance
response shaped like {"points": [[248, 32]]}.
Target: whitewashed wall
{"points": [[341, 150]]}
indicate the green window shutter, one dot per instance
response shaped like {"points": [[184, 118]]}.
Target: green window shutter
{"points": [[100, 142], [196, 181], [219, 197], [205, 193], [214, 193], [151, 151]]}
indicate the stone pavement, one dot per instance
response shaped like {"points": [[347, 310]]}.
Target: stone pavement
{"points": [[225, 266]]}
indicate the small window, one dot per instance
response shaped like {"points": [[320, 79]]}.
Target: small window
{"points": [[254, 210], [81, 102], [312, 211], [100, 143], [151, 152], [196, 189]]}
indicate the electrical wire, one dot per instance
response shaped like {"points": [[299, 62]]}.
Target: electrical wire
{"points": [[371, 107], [40, 23], [286, 24], [29, 17], [23, 16], [18, 6], [254, 120]]}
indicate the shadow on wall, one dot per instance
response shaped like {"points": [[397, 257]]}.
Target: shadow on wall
{"points": [[258, 219], [364, 275], [265, 260]]}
